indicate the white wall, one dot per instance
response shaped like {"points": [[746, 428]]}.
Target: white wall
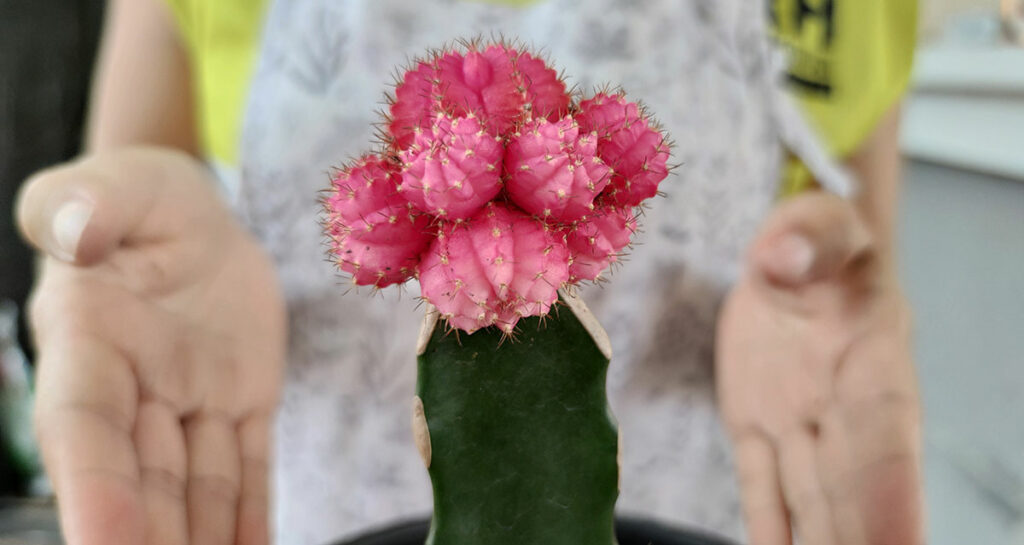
{"points": [[962, 253], [935, 13]]}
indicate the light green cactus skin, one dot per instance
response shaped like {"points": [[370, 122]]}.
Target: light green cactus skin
{"points": [[518, 438]]}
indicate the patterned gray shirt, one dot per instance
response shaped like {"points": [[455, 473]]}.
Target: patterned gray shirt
{"points": [[345, 459]]}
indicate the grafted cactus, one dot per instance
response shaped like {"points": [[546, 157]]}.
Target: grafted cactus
{"points": [[499, 190]]}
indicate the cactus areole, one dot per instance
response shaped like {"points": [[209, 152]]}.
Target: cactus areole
{"points": [[499, 190]]}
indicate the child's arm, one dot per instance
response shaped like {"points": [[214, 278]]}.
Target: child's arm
{"points": [[142, 91], [815, 374], [876, 164], [158, 320]]}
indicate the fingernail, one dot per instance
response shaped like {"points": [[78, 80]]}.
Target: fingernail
{"points": [[68, 224], [795, 256]]}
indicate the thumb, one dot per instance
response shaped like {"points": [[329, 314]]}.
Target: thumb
{"points": [[80, 211], [808, 238]]}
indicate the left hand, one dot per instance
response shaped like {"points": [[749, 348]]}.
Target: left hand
{"points": [[817, 386]]}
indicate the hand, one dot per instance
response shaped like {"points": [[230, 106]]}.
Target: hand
{"points": [[160, 330], [817, 386]]}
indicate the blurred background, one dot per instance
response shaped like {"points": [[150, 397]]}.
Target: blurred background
{"points": [[962, 246], [46, 54]]}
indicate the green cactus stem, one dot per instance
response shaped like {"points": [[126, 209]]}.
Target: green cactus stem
{"points": [[517, 435]]}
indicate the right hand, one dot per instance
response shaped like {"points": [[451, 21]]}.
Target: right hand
{"points": [[161, 331]]}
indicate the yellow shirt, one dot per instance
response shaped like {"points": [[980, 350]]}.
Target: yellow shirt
{"points": [[222, 37], [849, 61]]}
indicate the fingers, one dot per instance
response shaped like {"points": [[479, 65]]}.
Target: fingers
{"points": [[881, 479], [214, 479], [763, 507], [837, 480], [78, 212], [891, 503], [807, 238], [254, 504], [879, 415], [803, 490], [84, 416], [160, 444]]}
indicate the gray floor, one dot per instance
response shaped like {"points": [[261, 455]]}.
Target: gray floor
{"points": [[963, 266]]}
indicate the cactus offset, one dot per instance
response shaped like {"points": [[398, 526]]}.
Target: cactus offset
{"points": [[376, 235], [554, 171], [596, 242], [454, 170], [494, 269], [502, 85], [627, 141]]}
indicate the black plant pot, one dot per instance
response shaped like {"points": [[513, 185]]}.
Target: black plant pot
{"points": [[630, 531]]}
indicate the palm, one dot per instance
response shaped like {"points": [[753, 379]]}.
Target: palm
{"points": [[159, 433], [817, 386]]}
